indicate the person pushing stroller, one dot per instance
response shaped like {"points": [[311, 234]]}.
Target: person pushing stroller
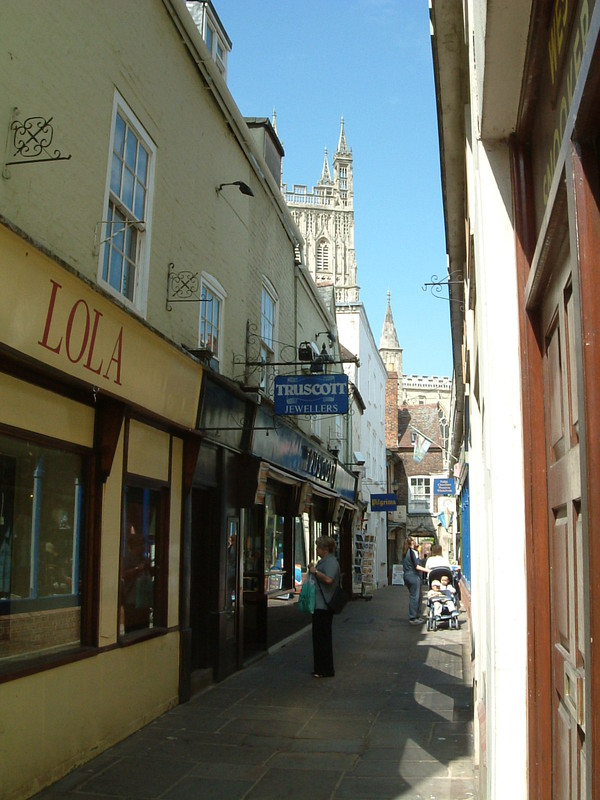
{"points": [[441, 599]]}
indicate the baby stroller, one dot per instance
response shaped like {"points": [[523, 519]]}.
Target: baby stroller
{"points": [[448, 611]]}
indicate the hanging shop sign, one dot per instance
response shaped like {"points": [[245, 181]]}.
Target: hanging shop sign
{"points": [[314, 394], [444, 486], [384, 502]]}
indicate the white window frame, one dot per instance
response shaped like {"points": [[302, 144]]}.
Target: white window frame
{"points": [[268, 348], [142, 226], [208, 283], [420, 502]]}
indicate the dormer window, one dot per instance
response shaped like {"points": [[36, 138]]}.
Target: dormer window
{"points": [[215, 37]]}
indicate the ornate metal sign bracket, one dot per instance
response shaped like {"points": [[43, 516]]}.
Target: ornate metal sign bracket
{"points": [[437, 285], [183, 287], [28, 142]]}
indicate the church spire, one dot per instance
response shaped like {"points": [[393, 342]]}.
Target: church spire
{"points": [[342, 146], [325, 174], [274, 121], [389, 337]]}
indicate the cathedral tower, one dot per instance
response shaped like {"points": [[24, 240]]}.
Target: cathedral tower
{"points": [[325, 217]]}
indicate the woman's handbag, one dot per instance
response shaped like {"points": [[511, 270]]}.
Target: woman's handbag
{"points": [[338, 601], [306, 601]]}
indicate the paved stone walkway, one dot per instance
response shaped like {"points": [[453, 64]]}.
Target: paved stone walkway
{"points": [[395, 722]]}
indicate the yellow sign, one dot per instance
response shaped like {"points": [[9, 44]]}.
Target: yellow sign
{"points": [[49, 314]]}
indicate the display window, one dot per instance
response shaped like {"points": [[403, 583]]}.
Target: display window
{"points": [[42, 506], [142, 601], [301, 538], [275, 566]]}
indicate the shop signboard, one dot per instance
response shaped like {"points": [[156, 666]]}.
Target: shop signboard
{"points": [[444, 486], [311, 394], [384, 502]]}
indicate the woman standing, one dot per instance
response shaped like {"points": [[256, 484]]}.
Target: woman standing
{"points": [[412, 579], [327, 576]]}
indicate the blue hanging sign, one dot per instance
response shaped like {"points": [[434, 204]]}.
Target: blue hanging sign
{"points": [[384, 502], [314, 394], [443, 486]]}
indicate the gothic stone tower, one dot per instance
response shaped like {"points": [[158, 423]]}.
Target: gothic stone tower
{"points": [[325, 218]]}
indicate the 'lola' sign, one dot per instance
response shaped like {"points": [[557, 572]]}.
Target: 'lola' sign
{"points": [[314, 394]]}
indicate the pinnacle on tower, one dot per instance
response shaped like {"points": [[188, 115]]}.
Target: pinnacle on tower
{"points": [[342, 146], [325, 174], [389, 337]]}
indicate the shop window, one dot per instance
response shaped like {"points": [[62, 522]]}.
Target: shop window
{"points": [[142, 606], [275, 566], [125, 227], [300, 560], [41, 513]]}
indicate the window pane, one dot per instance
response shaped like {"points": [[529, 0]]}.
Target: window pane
{"points": [[267, 319], [140, 200], [116, 269], [115, 175], [142, 165], [131, 144], [127, 189], [119, 142], [209, 320], [41, 507], [140, 547]]}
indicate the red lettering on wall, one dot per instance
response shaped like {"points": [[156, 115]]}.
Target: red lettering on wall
{"points": [[84, 338], [80, 344], [44, 340], [117, 354], [88, 363]]}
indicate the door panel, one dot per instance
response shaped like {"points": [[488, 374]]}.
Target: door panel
{"points": [[565, 530]]}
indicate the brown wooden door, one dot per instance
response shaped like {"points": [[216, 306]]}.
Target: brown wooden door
{"points": [[567, 575]]}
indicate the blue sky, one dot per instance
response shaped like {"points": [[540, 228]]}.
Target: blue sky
{"points": [[314, 61]]}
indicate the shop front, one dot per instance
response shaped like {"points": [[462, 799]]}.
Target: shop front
{"points": [[262, 492], [91, 455]]}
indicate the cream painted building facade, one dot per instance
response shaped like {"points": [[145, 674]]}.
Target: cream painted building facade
{"points": [[153, 289]]}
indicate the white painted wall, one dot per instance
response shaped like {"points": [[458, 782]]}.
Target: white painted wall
{"points": [[370, 378], [496, 469]]}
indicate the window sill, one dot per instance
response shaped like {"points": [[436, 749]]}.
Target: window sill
{"points": [[22, 666], [135, 637]]}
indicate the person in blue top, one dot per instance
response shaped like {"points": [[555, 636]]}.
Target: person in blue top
{"points": [[412, 579], [327, 575]]}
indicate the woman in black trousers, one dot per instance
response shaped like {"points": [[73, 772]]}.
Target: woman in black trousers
{"points": [[327, 576]]}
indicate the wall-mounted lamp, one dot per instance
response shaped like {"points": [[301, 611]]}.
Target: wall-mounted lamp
{"points": [[331, 335], [323, 358], [243, 187], [359, 459]]}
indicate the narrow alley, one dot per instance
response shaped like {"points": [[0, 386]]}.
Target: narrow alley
{"points": [[395, 722]]}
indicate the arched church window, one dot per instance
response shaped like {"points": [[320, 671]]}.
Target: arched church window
{"points": [[323, 256], [343, 177]]}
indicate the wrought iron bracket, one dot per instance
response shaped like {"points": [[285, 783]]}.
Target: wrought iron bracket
{"points": [[183, 287], [437, 286], [28, 142]]}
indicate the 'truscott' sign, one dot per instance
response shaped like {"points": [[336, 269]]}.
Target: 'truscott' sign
{"points": [[314, 394]]}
